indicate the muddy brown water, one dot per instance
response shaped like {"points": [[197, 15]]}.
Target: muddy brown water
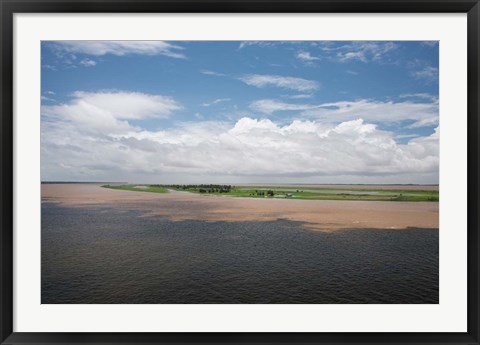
{"points": [[109, 246]]}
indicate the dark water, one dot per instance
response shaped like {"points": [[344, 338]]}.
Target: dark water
{"points": [[108, 255]]}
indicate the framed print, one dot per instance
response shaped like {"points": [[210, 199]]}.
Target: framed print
{"points": [[239, 172]]}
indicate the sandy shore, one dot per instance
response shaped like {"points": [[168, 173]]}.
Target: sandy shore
{"points": [[315, 214]]}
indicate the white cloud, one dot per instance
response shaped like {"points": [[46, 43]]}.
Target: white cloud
{"points": [[299, 96], [425, 122], [208, 72], [364, 51], [376, 111], [292, 83], [109, 111], [352, 56], [48, 99], [369, 51], [216, 101], [120, 48], [430, 43], [269, 106], [88, 62], [423, 114], [426, 96], [245, 44], [50, 67], [249, 149], [429, 73], [306, 56], [406, 136]]}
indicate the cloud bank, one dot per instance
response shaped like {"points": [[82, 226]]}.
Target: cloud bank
{"points": [[92, 138]]}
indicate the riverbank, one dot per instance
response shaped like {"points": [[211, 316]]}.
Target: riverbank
{"points": [[326, 215]]}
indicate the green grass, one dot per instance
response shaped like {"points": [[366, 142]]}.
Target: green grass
{"points": [[296, 192], [318, 193], [346, 188], [135, 188]]}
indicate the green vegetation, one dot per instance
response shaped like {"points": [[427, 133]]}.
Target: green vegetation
{"points": [[202, 188], [312, 193], [293, 192], [139, 188]]}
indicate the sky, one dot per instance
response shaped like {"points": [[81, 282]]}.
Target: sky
{"points": [[240, 112]]}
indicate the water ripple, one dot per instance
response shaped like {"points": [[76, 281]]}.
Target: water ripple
{"points": [[103, 254]]}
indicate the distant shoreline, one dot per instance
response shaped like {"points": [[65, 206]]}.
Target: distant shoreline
{"points": [[326, 215], [259, 184], [316, 192], [82, 182]]}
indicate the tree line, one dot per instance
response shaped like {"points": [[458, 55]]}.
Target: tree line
{"points": [[203, 188]]}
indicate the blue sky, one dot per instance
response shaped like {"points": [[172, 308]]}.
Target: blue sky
{"points": [[240, 112]]}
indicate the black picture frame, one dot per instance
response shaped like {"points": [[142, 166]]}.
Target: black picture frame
{"points": [[9, 8]]}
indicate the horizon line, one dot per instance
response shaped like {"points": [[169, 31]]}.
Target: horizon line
{"points": [[249, 183]]}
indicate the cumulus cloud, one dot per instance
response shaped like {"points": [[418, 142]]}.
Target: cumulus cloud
{"points": [[108, 111], [120, 48], [96, 149], [292, 83]]}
